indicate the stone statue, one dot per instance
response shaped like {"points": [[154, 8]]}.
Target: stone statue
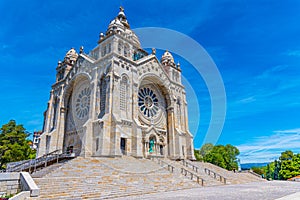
{"points": [[151, 146]]}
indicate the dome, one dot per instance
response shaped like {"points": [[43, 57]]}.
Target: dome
{"points": [[121, 26], [167, 56], [71, 55]]}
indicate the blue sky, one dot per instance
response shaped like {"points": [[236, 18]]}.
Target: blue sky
{"points": [[254, 43]]}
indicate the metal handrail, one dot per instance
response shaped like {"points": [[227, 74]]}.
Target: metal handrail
{"points": [[186, 172], [161, 162], [206, 170], [32, 164], [215, 175]]}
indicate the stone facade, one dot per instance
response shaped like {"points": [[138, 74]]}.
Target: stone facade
{"points": [[117, 100]]}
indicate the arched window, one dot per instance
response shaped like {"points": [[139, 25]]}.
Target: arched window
{"points": [[120, 47], [109, 47], [126, 50], [54, 114], [123, 93], [103, 86]]}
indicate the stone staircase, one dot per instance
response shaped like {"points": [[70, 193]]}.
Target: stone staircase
{"points": [[208, 180], [46, 170], [231, 177], [103, 178]]}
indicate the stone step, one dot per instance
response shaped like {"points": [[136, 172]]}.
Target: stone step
{"points": [[102, 178]]}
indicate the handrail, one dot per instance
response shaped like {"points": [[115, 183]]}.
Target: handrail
{"points": [[29, 161], [161, 162], [206, 170], [32, 164], [187, 164], [215, 175], [186, 172]]}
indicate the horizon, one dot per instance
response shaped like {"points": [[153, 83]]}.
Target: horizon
{"points": [[254, 44]]}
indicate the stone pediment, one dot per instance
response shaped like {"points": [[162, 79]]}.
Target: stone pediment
{"points": [[84, 64], [152, 67]]}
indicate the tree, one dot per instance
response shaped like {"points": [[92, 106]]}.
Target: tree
{"points": [[276, 170], [287, 155], [258, 170], [13, 144], [290, 167], [223, 156], [197, 155], [205, 149]]}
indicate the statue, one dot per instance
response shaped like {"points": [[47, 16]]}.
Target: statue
{"points": [[151, 146]]}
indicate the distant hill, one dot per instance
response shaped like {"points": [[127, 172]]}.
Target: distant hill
{"points": [[249, 165]]}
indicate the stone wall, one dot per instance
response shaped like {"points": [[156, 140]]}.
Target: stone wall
{"points": [[9, 183]]}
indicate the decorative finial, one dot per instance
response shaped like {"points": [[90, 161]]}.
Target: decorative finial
{"points": [[81, 49], [121, 9], [178, 66], [101, 35], [153, 51]]}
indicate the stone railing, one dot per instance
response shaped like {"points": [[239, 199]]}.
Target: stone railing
{"points": [[164, 164], [206, 170], [187, 164], [11, 183], [251, 172], [192, 176], [215, 175]]}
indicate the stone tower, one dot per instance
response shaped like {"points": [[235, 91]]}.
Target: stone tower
{"points": [[117, 100]]}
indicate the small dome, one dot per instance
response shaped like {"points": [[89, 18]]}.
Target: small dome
{"points": [[121, 26], [71, 53], [167, 56]]}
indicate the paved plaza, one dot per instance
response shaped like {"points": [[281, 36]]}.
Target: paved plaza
{"points": [[251, 191]]}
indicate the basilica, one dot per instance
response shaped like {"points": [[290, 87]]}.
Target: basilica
{"points": [[117, 100]]}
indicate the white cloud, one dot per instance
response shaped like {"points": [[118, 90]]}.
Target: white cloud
{"points": [[269, 148], [293, 53], [247, 100]]}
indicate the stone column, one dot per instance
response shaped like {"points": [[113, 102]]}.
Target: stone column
{"points": [[171, 132], [49, 113], [61, 129]]}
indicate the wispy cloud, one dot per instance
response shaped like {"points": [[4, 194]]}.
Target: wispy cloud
{"points": [[268, 148], [247, 99], [293, 53]]}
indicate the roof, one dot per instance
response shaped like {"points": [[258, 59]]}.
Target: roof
{"points": [[296, 177]]}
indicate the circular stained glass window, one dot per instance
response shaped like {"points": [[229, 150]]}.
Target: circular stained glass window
{"points": [[82, 105], [148, 102]]}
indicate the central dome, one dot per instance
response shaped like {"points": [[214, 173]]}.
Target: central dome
{"points": [[121, 26]]}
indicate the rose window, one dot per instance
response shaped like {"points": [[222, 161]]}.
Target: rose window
{"points": [[148, 102], [83, 103]]}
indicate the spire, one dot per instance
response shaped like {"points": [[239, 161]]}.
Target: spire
{"points": [[122, 17]]}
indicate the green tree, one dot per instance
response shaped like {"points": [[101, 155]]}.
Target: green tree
{"points": [[258, 170], [14, 145], [290, 167], [269, 172], [287, 155], [277, 168], [223, 156], [197, 155], [205, 149]]}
